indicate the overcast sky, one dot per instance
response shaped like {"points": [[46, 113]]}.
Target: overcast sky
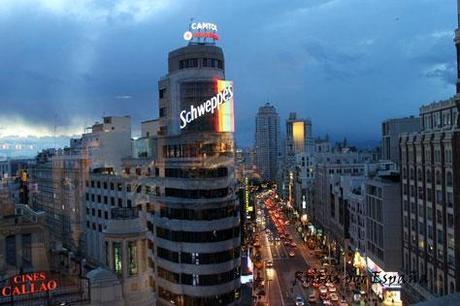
{"points": [[346, 64]]}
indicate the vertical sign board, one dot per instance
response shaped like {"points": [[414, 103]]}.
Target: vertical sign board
{"points": [[225, 120]]}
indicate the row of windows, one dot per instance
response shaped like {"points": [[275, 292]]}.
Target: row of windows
{"points": [[188, 150], [438, 176], [408, 155], [94, 226], [99, 213], [105, 199], [198, 237], [197, 193], [185, 300], [119, 187], [196, 172], [205, 62], [199, 279], [202, 214], [198, 258]]}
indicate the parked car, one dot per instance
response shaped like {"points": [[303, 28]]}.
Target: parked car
{"points": [[299, 301], [312, 298], [323, 289], [291, 253], [334, 297], [269, 264]]}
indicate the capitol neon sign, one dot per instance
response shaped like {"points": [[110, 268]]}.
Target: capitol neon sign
{"points": [[222, 103], [201, 30]]}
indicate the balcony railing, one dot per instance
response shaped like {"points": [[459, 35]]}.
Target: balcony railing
{"points": [[125, 213]]}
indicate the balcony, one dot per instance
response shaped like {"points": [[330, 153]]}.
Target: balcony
{"points": [[125, 213]]}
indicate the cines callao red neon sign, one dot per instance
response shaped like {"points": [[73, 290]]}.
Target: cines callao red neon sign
{"points": [[29, 283]]}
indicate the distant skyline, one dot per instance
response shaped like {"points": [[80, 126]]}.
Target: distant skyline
{"points": [[345, 64]]}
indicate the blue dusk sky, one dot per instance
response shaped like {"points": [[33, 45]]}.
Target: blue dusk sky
{"points": [[345, 64]]}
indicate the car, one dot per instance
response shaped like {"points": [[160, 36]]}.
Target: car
{"points": [[316, 284], [324, 296], [299, 301], [332, 289], [305, 284], [311, 272], [312, 298], [323, 289], [334, 297], [293, 244], [291, 253], [269, 264]]}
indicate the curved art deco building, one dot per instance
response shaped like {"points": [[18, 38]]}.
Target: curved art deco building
{"points": [[195, 222]]}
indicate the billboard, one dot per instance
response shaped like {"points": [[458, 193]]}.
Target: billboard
{"points": [[207, 106]]}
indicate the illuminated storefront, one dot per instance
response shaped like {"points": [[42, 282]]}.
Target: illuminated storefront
{"points": [[384, 284]]}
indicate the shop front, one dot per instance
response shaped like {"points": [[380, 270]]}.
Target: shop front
{"points": [[384, 284]]}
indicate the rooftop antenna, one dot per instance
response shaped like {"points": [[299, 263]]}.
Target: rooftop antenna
{"points": [[190, 28]]}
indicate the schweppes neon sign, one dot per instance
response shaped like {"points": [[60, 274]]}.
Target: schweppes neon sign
{"points": [[222, 103], [30, 283]]}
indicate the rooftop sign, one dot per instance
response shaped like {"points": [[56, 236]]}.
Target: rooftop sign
{"points": [[201, 30]]}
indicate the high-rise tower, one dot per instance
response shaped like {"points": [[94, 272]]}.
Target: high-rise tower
{"points": [[194, 211], [267, 141]]}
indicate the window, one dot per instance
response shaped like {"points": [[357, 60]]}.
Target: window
{"points": [[450, 200], [449, 179], [450, 220], [161, 93], [188, 63], [132, 258], [117, 259], [429, 213], [26, 250], [10, 245]]}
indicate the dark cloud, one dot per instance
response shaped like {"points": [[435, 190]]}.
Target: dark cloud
{"points": [[343, 63]]}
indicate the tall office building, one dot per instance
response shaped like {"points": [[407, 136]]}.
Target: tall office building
{"points": [[430, 189], [391, 129], [194, 212], [267, 141], [298, 137]]}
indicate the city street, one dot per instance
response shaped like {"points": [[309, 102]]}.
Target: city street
{"points": [[282, 286]]}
